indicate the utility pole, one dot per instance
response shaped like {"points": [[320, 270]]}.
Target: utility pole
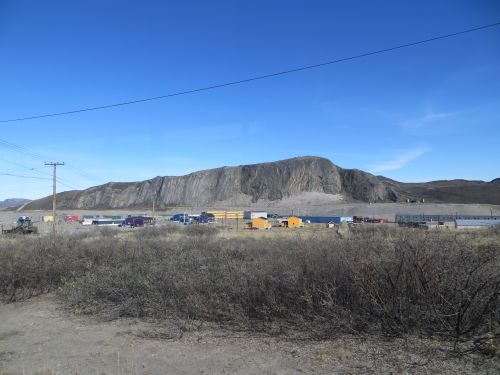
{"points": [[54, 190], [154, 221]]}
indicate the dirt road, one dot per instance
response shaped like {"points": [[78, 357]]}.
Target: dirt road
{"points": [[38, 336]]}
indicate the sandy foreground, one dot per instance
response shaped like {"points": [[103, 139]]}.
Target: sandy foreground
{"points": [[39, 336]]}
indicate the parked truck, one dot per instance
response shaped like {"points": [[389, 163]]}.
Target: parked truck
{"points": [[133, 222], [24, 225]]}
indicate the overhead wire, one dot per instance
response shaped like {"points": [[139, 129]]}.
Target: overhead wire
{"points": [[26, 188], [256, 78], [82, 173], [62, 182], [21, 149], [21, 176], [28, 152]]}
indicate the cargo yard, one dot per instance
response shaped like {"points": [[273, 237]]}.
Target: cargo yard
{"points": [[424, 216]]}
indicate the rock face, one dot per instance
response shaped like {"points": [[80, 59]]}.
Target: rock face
{"points": [[366, 187], [278, 180], [238, 186]]}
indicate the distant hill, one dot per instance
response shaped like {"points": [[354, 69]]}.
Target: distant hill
{"points": [[13, 202], [452, 191], [248, 185]]}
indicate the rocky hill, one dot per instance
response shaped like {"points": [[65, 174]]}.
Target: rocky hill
{"points": [[13, 202], [247, 185]]}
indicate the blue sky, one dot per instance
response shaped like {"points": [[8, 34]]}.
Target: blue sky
{"points": [[423, 113]]}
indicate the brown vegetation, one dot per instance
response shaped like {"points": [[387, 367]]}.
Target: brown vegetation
{"points": [[386, 281]]}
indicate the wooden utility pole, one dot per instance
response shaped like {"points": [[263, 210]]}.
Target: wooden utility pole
{"points": [[54, 192], [154, 221]]}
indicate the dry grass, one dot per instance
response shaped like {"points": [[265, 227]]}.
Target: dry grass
{"points": [[386, 281]]}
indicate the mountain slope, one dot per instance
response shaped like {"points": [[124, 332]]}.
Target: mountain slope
{"points": [[13, 202], [456, 191], [246, 185]]}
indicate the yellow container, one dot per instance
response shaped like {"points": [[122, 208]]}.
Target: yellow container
{"points": [[260, 223], [292, 222], [47, 218], [226, 214]]}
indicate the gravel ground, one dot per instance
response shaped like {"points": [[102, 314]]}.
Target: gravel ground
{"points": [[39, 336]]}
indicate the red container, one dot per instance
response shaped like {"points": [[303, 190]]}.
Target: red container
{"points": [[71, 218]]}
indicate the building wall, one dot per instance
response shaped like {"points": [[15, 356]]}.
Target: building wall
{"points": [[476, 224], [259, 223], [423, 217]]}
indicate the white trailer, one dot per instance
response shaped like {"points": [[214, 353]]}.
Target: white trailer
{"points": [[250, 215]]}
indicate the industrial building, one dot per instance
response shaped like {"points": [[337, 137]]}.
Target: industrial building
{"points": [[443, 218], [476, 224]]}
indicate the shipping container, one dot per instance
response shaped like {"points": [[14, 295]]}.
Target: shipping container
{"points": [[87, 219], [376, 221], [71, 219], [107, 222], [226, 214], [249, 215], [292, 222], [258, 223]]}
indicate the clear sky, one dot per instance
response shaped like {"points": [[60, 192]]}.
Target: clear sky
{"points": [[423, 113]]}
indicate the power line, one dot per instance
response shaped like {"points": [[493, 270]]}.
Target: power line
{"points": [[26, 188], [256, 78], [62, 182], [36, 155], [82, 173], [20, 149], [22, 176]]}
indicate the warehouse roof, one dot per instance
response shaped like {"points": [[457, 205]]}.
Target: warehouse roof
{"points": [[476, 223]]}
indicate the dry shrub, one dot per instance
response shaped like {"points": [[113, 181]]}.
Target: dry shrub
{"points": [[390, 281]]}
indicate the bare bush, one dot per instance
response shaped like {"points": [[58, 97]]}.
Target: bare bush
{"points": [[392, 281]]}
